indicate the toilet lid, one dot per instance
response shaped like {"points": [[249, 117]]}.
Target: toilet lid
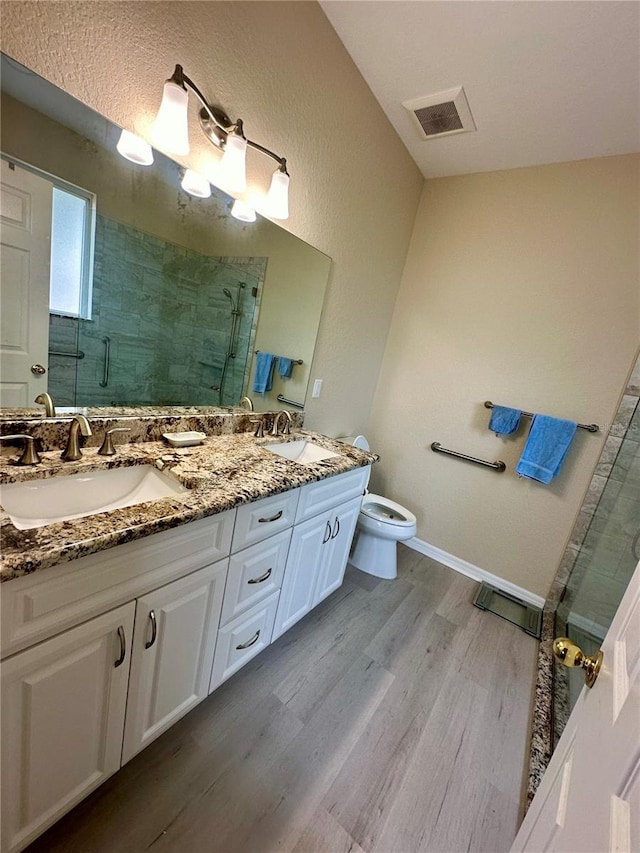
{"points": [[361, 443], [383, 509]]}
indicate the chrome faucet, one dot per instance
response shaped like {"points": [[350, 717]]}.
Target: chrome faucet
{"points": [[45, 400], [72, 452], [286, 430]]}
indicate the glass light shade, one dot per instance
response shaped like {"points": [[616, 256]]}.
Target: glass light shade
{"points": [[170, 128], [242, 211], [233, 173], [277, 202], [195, 184], [135, 149]]}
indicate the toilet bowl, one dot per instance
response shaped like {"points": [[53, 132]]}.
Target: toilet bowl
{"points": [[381, 524]]}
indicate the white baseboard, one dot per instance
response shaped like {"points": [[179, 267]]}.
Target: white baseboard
{"points": [[474, 572]]}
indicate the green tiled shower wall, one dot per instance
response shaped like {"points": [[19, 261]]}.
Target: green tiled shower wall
{"points": [[168, 321]]}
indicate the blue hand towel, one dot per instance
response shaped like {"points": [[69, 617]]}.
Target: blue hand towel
{"points": [[504, 421], [285, 367], [263, 379], [547, 445]]}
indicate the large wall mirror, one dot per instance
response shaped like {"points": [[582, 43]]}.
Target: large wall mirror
{"points": [[176, 296]]}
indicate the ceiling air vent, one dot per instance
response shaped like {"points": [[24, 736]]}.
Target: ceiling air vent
{"points": [[441, 114]]}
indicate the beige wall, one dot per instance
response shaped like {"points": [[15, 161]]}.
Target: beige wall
{"points": [[281, 67], [520, 287]]}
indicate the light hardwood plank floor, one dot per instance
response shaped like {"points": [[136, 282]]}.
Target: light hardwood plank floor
{"points": [[393, 719]]}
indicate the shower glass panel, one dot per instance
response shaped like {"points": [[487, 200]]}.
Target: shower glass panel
{"points": [[169, 326], [605, 563]]}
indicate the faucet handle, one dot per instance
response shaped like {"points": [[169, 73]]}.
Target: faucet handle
{"points": [[29, 455], [107, 448], [259, 422]]}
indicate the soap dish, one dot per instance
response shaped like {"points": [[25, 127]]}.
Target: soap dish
{"points": [[184, 439]]}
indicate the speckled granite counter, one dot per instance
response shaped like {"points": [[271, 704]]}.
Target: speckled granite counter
{"points": [[225, 471]]}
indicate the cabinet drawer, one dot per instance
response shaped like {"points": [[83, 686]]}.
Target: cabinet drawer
{"points": [[254, 573], [258, 520], [242, 639], [316, 498], [50, 601]]}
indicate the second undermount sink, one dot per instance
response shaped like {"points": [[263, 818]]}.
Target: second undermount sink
{"points": [[303, 451], [34, 503]]}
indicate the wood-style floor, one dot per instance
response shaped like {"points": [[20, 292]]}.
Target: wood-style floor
{"points": [[394, 718]]}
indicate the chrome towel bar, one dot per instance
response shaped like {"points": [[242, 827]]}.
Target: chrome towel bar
{"points": [[496, 466], [294, 360], [590, 427], [282, 399], [78, 354], [105, 371]]}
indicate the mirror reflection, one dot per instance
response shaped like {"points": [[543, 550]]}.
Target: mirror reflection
{"points": [[120, 289]]}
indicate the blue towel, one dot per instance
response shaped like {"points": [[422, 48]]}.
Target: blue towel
{"points": [[504, 421], [547, 445], [285, 366], [263, 379]]}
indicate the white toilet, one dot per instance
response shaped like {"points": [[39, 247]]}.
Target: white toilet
{"points": [[381, 523]]}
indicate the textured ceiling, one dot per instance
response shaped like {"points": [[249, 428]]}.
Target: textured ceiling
{"points": [[547, 82]]}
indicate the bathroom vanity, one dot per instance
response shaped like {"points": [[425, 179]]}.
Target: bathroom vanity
{"points": [[112, 633]]}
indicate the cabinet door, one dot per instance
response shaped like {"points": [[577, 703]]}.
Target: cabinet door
{"points": [[173, 646], [336, 550], [303, 566], [63, 708]]}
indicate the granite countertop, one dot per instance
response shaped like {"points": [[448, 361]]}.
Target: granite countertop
{"points": [[224, 472]]}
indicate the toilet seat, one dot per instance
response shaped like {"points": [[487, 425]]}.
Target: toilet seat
{"points": [[386, 511]]}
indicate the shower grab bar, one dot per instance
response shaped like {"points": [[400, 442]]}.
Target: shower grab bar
{"points": [[294, 360], [496, 466], [107, 351], [282, 399], [589, 427], [78, 354]]}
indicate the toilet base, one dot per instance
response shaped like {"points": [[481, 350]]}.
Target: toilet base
{"points": [[375, 556]]}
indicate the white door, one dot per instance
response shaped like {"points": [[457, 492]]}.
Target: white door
{"points": [[173, 645], [63, 707], [25, 252], [301, 573], [336, 550], [589, 797]]}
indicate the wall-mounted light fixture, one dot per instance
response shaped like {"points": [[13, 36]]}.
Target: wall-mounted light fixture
{"points": [[170, 132], [135, 149]]}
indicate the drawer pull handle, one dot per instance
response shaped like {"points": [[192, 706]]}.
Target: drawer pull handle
{"points": [[337, 528], [327, 534], [123, 646], [154, 629], [263, 578], [250, 642], [273, 518]]}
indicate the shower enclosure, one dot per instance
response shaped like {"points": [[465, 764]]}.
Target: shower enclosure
{"points": [[604, 549], [168, 326]]}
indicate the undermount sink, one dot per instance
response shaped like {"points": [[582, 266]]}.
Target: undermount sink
{"points": [[35, 503], [302, 451]]}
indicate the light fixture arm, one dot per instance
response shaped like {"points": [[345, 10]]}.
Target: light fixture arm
{"points": [[221, 120]]}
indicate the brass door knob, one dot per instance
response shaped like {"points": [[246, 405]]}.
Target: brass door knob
{"points": [[569, 654]]}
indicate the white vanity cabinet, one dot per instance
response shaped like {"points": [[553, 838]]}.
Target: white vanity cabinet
{"points": [[104, 653], [64, 727], [172, 654], [63, 711], [327, 512]]}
